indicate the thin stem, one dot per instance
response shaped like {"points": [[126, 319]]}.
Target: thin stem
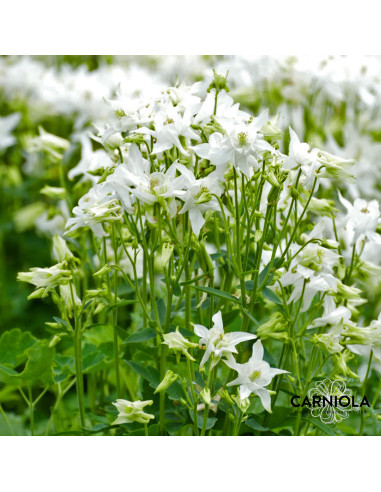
{"points": [[115, 316], [363, 390], [78, 360], [194, 401], [31, 409]]}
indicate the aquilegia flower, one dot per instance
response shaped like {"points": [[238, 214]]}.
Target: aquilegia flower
{"points": [[254, 375], [132, 411], [218, 342]]}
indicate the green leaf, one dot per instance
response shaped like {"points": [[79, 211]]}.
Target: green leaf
{"points": [[200, 417], [320, 425], [269, 294], [177, 289], [13, 347], [230, 316], [64, 368], [98, 334], [152, 375], [253, 424], [218, 293], [263, 274], [149, 373], [39, 365], [141, 336], [162, 310], [250, 316], [95, 358], [8, 371]]}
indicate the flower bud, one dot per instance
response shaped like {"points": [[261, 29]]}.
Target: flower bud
{"points": [[169, 378], [60, 250], [162, 259], [275, 327], [206, 396], [53, 192], [103, 271]]}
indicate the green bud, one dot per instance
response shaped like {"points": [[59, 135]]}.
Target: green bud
{"points": [[169, 378], [163, 258], [219, 82], [103, 271], [275, 327], [294, 193], [206, 396], [224, 394], [273, 195], [203, 257], [60, 250], [258, 235], [272, 179], [25, 217], [53, 192], [322, 206], [56, 339]]}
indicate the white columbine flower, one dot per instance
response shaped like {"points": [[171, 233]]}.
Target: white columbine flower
{"points": [[254, 375], [97, 206], [242, 145], [91, 161], [217, 342], [169, 126], [311, 271], [178, 343], [361, 220], [132, 411], [45, 279], [7, 125], [301, 155], [197, 198]]}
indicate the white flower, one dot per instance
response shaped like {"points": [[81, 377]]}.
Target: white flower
{"points": [[311, 271], [169, 126], [301, 155], [47, 142], [361, 220], [90, 161], [45, 279], [242, 145], [197, 198], [254, 375], [225, 108], [7, 125], [132, 411], [60, 250], [178, 343], [97, 206], [217, 342]]}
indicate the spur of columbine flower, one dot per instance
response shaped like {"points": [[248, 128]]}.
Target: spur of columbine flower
{"points": [[132, 411], [254, 375], [217, 342]]}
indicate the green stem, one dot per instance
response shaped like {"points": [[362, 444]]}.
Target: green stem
{"points": [[363, 390], [191, 377], [3, 414], [78, 361], [115, 316], [31, 409]]}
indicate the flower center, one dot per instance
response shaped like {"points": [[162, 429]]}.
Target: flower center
{"points": [[254, 376], [365, 210], [242, 138]]}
